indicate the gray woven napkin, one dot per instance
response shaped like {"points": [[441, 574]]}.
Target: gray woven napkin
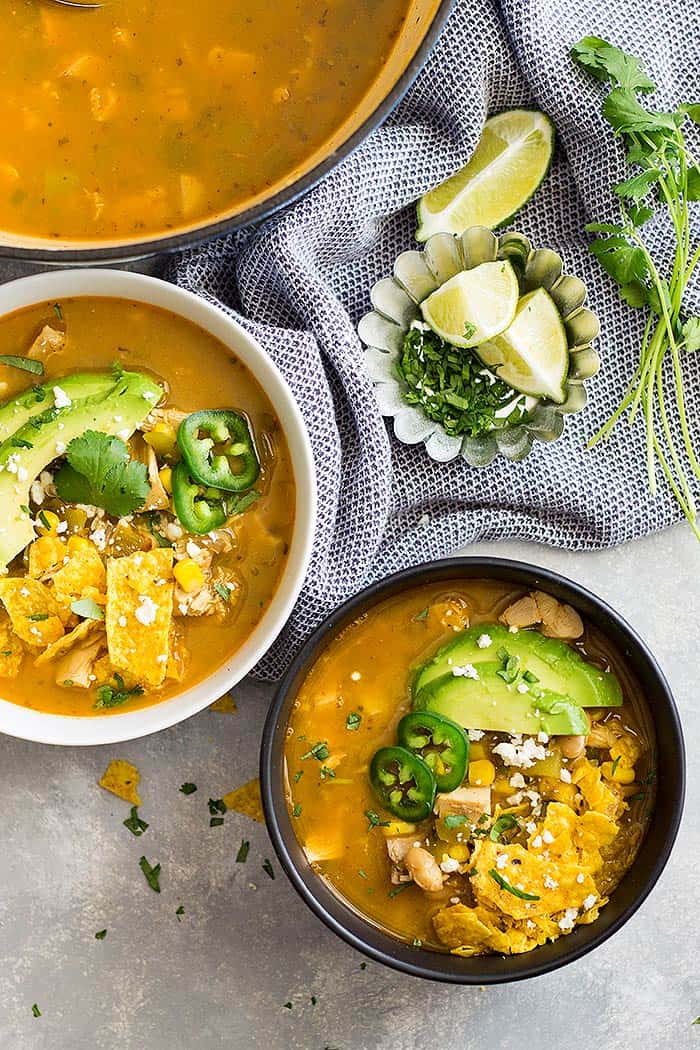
{"points": [[300, 282]]}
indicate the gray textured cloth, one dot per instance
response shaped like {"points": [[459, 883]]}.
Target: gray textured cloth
{"points": [[300, 282]]}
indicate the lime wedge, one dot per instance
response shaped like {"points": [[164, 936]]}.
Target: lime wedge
{"points": [[474, 305], [532, 355], [508, 164]]}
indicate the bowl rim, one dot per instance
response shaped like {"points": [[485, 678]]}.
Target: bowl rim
{"points": [[394, 953], [42, 727], [133, 251]]}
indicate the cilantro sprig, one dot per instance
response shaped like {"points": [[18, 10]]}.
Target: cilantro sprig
{"points": [[101, 472], [664, 175]]}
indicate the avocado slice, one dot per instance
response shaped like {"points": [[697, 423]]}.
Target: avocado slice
{"points": [[489, 703], [45, 436], [32, 402], [558, 667]]}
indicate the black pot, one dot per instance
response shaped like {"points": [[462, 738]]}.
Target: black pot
{"points": [[634, 887], [420, 31]]}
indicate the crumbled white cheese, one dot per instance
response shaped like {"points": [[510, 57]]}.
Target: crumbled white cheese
{"points": [[355, 676], [122, 621], [501, 861], [580, 877], [484, 641], [565, 775], [517, 780], [513, 630], [537, 842], [466, 671], [522, 755], [523, 687], [547, 836], [475, 734], [99, 538], [145, 613], [542, 738], [60, 398], [171, 530], [550, 883], [60, 448], [62, 527], [192, 549], [589, 901], [531, 827], [568, 919], [449, 864]]}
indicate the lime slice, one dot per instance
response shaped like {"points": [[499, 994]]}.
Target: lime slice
{"points": [[532, 355], [508, 164], [474, 305]]}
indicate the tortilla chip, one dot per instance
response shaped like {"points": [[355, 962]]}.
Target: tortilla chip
{"points": [[122, 779], [246, 799], [225, 704], [464, 931], [46, 554], [553, 883], [599, 797], [11, 650], [33, 610], [83, 575], [139, 613], [64, 644]]}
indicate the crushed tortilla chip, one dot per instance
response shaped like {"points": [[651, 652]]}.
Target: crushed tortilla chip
{"points": [[555, 883], [246, 799], [11, 650], [225, 704], [64, 644], [122, 779], [464, 929], [83, 575], [35, 614], [599, 797], [46, 555], [139, 613]]}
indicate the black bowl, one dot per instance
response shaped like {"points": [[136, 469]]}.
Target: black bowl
{"points": [[634, 887]]}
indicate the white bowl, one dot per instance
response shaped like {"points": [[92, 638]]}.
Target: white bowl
{"points": [[118, 284]]}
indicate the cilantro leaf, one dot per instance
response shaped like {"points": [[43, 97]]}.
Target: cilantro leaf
{"points": [[100, 472], [151, 874], [113, 696], [638, 186], [607, 62], [624, 113], [691, 334], [624, 262]]}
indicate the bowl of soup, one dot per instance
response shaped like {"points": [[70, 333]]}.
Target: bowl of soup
{"points": [[474, 771], [134, 128], [158, 505]]}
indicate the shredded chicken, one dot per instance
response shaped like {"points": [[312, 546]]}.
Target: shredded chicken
{"points": [[76, 666], [472, 802], [558, 620], [157, 498], [173, 416]]}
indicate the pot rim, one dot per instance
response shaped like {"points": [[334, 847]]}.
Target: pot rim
{"points": [[369, 938], [136, 251]]}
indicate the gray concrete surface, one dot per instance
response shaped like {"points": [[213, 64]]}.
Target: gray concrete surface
{"points": [[246, 945]]}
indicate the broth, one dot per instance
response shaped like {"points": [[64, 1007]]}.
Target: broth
{"points": [[366, 672], [198, 372], [142, 117]]}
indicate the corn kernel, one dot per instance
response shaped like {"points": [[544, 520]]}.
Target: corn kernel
{"points": [[501, 786], [482, 773], [459, 852], [477, 751], [398, 827], [49, 523], [162, 439], [619, 775], [189, 575], [166, 479]]}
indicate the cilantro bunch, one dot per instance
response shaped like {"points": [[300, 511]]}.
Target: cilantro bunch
{"points": [[663, 175]]}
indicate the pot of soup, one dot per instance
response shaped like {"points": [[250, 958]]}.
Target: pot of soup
{"points": [[474, 771], [134, 128]]}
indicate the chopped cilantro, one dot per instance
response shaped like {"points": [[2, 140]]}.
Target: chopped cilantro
{"points": [[26, 364], [530, 677], [58, 311], [223, 591], [505, 885], [319, 751], [134, 823], [267, 868], [454, 820], [216, 806], [398, 889], [417, 942], [113, 696], [298, 775], [188, 788], [352, 722], [363, 965], [615, 764], [326, 773], [243, 850], [509, 671], [216, 822], [422, 615], [36, 1012], [100, 935], [314, 1000], [152, 874], [296, 812], [101, 472], [287, 1006], [237, 504], [502, 824], [374, 821], [36, 617], [21, 443], [179, 911]]}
